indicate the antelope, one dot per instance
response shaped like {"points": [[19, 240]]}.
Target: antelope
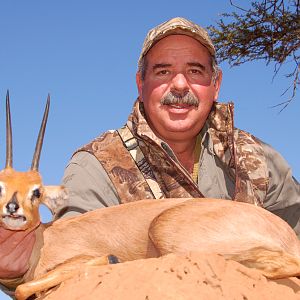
{"points": [[21, 193], [239, 231], [148, 228]]}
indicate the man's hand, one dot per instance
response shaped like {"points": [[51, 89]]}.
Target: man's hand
{"points": [[15, 251]]}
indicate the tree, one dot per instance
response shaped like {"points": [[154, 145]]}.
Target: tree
{"points": [[269, 30]]}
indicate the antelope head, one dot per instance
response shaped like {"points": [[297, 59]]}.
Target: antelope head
{"points": [[21, 193]]}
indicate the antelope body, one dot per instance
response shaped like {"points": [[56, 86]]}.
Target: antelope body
{"points": [[150, 228], [142, 229]]}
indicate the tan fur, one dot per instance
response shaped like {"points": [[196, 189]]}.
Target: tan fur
{"points": [[239, 231], [242, 232], [64, 270], [22, 184], [149, 228]]}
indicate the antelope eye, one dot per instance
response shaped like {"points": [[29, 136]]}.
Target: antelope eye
{"points": [[36, 193]]}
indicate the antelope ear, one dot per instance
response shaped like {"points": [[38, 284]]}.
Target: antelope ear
{"points": [[55, 196]]}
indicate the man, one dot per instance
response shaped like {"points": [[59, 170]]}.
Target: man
{"points": [[178, 142]]}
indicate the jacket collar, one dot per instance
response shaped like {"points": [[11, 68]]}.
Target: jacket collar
{"points": [[217, 130]]}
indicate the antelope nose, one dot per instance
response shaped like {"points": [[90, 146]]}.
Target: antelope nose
{"points": [[12, 206]]}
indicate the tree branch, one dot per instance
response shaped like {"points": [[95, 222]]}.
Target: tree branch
{"points": [[269, 30]]}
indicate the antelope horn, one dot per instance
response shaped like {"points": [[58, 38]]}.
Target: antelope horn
{"points": [[8, 163], [39, 142]]}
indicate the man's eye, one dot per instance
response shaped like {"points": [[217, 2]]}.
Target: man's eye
{"points": [[163, 72], [196, 71]]}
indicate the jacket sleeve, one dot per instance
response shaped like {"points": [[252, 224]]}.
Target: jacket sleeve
{"points": [[88, 185], [283, 195]]}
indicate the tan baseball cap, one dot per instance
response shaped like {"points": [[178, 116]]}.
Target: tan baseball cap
{"points": [[177, 26]]}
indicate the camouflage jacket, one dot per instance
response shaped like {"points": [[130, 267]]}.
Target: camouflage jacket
{"points": [[131, 163], [142, 166]]}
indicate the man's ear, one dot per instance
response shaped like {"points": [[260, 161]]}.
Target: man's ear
{"points": [[139, 84], [217, 84]]}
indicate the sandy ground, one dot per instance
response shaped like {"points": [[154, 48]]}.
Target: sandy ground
{"points": [[192, 276]]}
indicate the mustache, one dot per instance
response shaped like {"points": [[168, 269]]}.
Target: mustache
{"points": [[174, 98]]}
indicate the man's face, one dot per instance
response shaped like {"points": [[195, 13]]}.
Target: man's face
{"points": [[178, 71]]}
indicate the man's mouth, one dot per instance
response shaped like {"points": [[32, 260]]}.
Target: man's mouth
{"points": [[13, 221], [179, 106]]}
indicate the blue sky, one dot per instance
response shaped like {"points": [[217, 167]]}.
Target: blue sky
{"points": [[84, 53]]}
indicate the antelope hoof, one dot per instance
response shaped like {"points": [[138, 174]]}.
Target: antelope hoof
{"points": [[112, 259]]}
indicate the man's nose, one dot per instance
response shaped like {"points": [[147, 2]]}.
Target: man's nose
{"points": [[180, 84]]}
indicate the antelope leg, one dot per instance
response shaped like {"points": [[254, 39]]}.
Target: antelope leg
{"points": [[61, 273]]}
